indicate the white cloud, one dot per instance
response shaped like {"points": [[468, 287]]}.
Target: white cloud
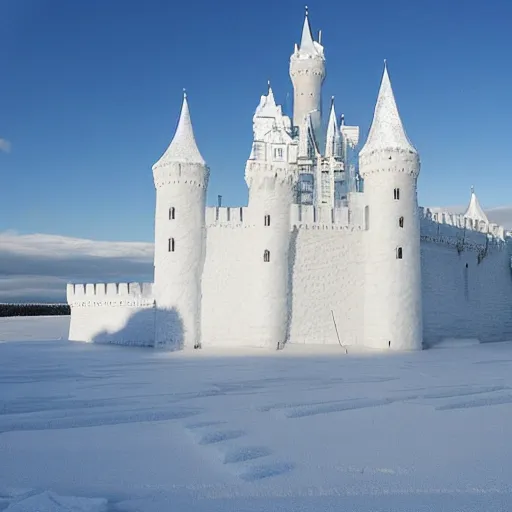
{"points": [[37, 267], [5, 146]]}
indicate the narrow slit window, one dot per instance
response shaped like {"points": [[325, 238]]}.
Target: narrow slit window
{"points": [[171, 245], [401, 222], [396, 193], [267, 220], [266, 256], [399, 253], [172, 213]]}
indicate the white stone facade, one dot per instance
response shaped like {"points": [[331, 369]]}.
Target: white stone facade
{"points": [[322, 254]]}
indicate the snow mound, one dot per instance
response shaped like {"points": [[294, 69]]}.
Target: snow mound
{"points": [[48, 501]]}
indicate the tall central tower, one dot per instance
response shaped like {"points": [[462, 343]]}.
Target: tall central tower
{"points": [[307, 72]]}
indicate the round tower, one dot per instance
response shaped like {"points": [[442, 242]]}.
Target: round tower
{"points": [[181, 179], [307, 72], [270, 197], [390, 166]]}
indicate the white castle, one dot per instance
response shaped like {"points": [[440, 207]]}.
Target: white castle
{"points": [[331, 249]]}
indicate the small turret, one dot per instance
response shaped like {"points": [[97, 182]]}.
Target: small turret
{"points": [[474, 210], [390, 165], [181, 178], [333, 137]]}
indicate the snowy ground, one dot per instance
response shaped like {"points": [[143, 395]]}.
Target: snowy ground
{"points": [[98, 428]]}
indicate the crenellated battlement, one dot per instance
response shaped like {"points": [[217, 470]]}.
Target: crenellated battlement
{"points": [[324, 217], [102, 294], [457, 225], [225, 216]]}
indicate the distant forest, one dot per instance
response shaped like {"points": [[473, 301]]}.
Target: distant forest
{"points": [[34, 309]]}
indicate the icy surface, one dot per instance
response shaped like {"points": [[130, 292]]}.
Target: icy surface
{"points": [[292, 430], [48, 501]]}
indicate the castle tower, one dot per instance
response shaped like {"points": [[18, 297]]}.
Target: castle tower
{"points": [[181, 179], [307, 72], [390, 165], [271, 176]]}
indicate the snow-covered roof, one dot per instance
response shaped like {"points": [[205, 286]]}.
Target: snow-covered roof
{"points": [[308, 46], [474, 210], [267, 106], [387, 131], [183, 147]]}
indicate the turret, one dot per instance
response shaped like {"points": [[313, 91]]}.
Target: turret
{"points": [[390, 165], [474, 210], [307, 72], [181, 179], [271, 176], [333, 137]]}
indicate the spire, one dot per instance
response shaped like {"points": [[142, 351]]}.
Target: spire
{"points": [[270, 96], [387, 131], [474, 210], [306, 43], [183, 148], [332, 142]]}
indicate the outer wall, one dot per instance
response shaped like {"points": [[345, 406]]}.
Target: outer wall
{"points": [[460, 302], [113, 324]]}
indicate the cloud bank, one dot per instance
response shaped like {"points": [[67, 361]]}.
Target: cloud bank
{"points": [[5, 146], [36, 268]]}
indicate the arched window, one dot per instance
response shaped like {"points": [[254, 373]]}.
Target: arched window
{"points": [[399, 253], [401, 222], [266, 256], [396, 193], [267, 220], [171, 244], [172, 213]]}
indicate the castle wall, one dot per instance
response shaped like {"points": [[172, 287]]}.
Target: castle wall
{"points": [[227, 289], [120, 313], [461, 297], [326, 274]]}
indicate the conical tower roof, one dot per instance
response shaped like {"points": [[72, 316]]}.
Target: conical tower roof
{"points": [[387, 131], [474, 210], [307, 44], [183, 148]]}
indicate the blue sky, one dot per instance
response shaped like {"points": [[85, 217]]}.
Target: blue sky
{"points": [[90, 92]]}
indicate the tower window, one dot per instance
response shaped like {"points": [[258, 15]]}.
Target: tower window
{"points": [[401, 222], [171, 244], [172, 213], [267, 220], [396, 193], [399, 253], [266, 256]]}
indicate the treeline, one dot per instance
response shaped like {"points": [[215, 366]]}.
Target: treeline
{"points": [[34, 309]]}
